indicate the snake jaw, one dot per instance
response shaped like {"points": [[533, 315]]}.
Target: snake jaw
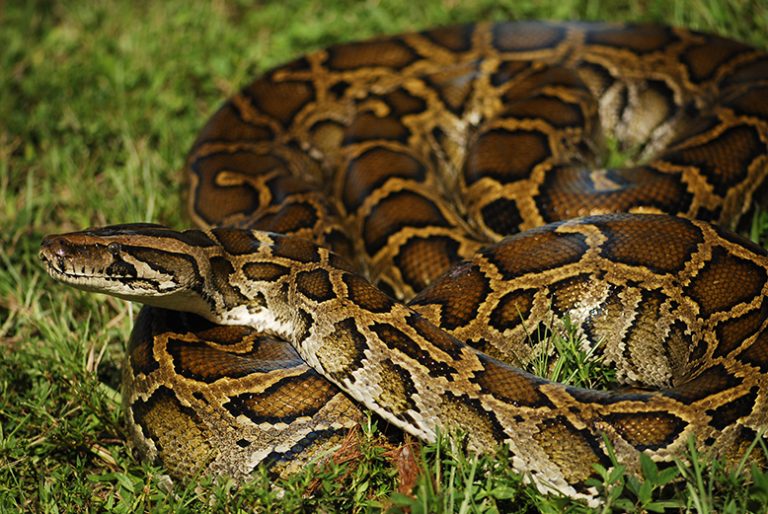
{"points": [[86, 267], [114, 260]]}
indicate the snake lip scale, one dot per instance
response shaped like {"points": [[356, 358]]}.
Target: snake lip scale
{"points": [[383, 224]]}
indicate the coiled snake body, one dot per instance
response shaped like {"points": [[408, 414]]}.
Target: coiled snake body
{"points": [[407, 157]]}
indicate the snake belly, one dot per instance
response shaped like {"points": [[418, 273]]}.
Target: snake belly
{"points": [[416, 157]]}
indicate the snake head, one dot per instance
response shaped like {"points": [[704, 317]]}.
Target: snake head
{"points": [[142, 262]]}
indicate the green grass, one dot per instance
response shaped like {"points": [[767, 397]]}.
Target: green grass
{"points": [[99, 102], [563, 359]]}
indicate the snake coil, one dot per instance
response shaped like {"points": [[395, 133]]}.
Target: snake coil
{"points": [[410, 161]]}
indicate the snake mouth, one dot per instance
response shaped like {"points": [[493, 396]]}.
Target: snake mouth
{"points": [[60, 260], [58, 272], [92, 267], [55, 266], [97, 281]]}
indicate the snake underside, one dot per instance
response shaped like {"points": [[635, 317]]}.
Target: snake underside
{"points": [[442, 167]]}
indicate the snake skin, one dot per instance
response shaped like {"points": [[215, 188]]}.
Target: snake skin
{"points": [[409, 161]]}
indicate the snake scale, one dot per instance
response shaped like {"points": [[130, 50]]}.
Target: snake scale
{"points": [[384, 223]]}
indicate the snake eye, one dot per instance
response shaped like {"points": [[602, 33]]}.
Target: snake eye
{"points": [[114, 249]]}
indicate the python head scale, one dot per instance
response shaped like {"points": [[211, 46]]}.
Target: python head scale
{"points": [[185, 271]]}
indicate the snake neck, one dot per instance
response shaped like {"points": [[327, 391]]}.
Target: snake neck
{"points": [[227, 275], [279, 285]]}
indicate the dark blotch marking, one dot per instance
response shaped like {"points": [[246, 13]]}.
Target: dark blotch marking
{"points": [[395, 212], [481, 423], [571, 191], [169, 263], [750, 102], [219, 202], [707, 383], [200, 362], [534, 251], [436, 336], [220, 334], [120, 268], [454, 86], [724, 160], [510, 385], [196, 237], [724, 282], [647, 430], [757, 353], [397, 387], [661, 243], [742, 241], [638, 38], [606, 397], [456, 39], [459, 294], [523, 36], [162, 414], [509, 70], [315, 284], [193, 237], [555, 111], [267, 271], [506, 155], [704, 60], [303, 324], [341, 262], [141, 343], [402, 103], [422, 259], [398, 341], [734, 331], [390, 53], [512, 309], [340, 88], [749, 71], [284, 188], [729, 413], [228, 125], [295, 248], [502, 216], [284, 401], [372, 169], [365, 295], [568, 294], [290, 218], [367, 126], [281, 100]]}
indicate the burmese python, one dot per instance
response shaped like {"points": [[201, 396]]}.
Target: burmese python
{"points": [[407, 155]]}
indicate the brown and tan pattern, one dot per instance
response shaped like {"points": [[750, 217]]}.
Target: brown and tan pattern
{"points": [[437, 169]]}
